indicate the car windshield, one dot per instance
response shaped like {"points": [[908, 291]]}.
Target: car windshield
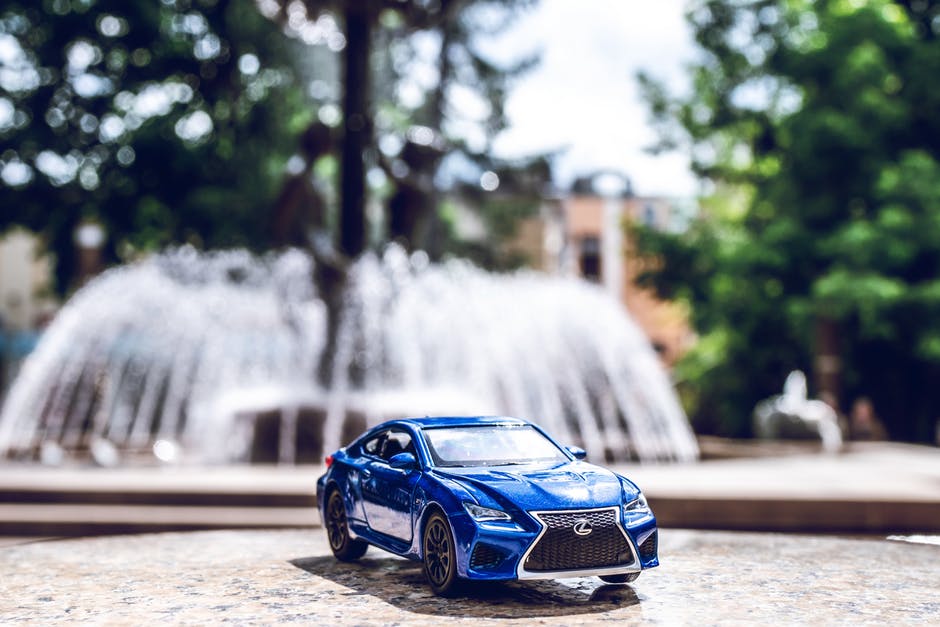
{"points": [[490, 445]]}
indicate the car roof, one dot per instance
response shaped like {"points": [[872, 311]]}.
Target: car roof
{"points": [[429, 422]]}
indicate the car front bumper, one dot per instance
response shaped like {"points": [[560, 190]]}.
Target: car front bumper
{"points": [[501, 551]]}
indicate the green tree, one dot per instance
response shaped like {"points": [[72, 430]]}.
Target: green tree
{"points": [[165, 122], [386, 46], [402, 64], [815, 122], [171, 122]]}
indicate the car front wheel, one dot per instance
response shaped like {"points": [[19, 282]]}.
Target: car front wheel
{"points": [[440, 562], [343, 546]]}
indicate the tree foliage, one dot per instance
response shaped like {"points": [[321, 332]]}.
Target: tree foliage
{"points": [[411, 71], [815, 123], [165, 122], [171, 121]]}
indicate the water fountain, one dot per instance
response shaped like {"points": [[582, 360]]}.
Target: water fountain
{"points": [[184, 351], [793, 415]]}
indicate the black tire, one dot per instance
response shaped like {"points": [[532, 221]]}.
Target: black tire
{"points": [[621, 578], [440, 558], [345, 548]]}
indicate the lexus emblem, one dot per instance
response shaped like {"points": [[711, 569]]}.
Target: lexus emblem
{"points": [[582, 527]]}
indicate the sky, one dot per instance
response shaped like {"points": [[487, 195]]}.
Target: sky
{"points": [[584, 95]]}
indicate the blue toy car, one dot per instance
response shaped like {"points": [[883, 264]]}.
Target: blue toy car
{"points": [[484, 498]]}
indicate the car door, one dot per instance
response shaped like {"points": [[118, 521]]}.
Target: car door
{"points": [[386, 491], [360, 470]]}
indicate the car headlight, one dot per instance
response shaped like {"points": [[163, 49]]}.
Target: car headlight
{"points": [[638, 504], [484, 514]]}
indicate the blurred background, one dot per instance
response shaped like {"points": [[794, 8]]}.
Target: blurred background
{"points": [[243, 230]]}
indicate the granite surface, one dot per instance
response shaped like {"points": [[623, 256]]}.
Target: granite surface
{"points": [[265, 577]]}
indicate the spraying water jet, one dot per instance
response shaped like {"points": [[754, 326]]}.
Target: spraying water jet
{"points": [[196, 351]]}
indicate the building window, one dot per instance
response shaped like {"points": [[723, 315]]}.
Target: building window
{"points": [[649, 215], [590, 259]]}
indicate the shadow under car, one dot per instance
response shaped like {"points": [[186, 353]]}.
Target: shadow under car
{"points": [[402, 583]]}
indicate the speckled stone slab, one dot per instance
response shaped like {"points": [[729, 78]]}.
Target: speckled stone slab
{"points": [[267, 577]]}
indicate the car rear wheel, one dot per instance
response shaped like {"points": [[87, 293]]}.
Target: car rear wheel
{"points": [[621, 578], [440, 560], [343, 546]]}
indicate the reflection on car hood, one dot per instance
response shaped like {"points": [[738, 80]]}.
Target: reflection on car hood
{"points": [[575, 485]]}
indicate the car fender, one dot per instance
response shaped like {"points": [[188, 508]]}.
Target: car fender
{"points": [[628, 486], [436, 493], [338, 477]]}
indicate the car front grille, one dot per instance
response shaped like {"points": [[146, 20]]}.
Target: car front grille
{"points": [[649, 546], [560, 548]]}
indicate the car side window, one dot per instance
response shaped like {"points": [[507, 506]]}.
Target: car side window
{"points": [[397, 442], [373, 446]]}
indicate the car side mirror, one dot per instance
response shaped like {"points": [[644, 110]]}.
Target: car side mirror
{"points": [[577, 451], [403, 461]]}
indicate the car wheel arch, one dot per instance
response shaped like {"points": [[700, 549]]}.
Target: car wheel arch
{"points": [[429, 509], [334, 486], [331, 486]]}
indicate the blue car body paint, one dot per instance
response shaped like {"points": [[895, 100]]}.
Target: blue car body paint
{"points": [[559, 517]]}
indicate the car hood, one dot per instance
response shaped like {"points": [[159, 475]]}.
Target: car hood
{"points": [[572, 485]]}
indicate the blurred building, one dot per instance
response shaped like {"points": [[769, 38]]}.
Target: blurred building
{"points": [[542, 240], [25, 302], [583, 233], [24, 280]]}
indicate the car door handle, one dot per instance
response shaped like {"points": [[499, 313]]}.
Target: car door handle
{"points": [[366, 474]]}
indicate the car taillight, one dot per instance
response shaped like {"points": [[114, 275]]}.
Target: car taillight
{"points": [[328, 460]]}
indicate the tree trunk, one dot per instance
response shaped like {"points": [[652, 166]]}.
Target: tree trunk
{"points": [[352, 235], [828, 360], [331, 274], [434, 240]]}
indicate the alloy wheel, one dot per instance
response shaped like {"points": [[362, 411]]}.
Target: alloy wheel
{"points": [[440, 558], [336, 522]]}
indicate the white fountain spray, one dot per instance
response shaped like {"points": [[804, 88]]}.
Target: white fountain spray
{"points": [[177, 347]]}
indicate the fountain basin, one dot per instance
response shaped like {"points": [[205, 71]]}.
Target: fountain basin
{"points": [[870, 488]]}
